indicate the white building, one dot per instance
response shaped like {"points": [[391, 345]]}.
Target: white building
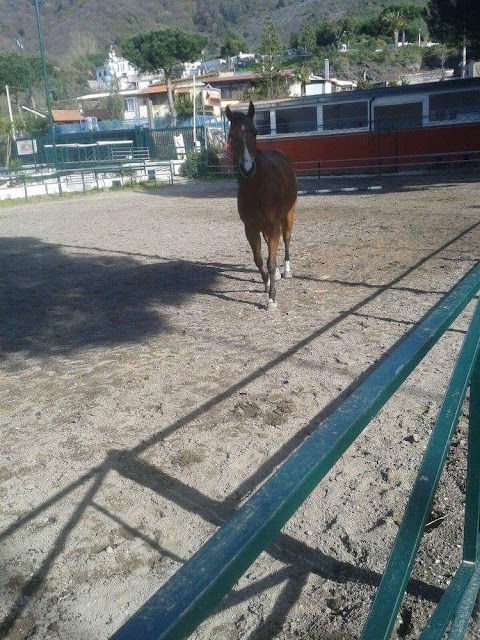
{"points": [[213, 66], [118, 73]]}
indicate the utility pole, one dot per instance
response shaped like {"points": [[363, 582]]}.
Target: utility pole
{"points": [[7, 91], [45, 81], [464, 57], [27, 90]]}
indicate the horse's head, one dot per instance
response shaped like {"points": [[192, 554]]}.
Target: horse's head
{"points": [[242, 137]]}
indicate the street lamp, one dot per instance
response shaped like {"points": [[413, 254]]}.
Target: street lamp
{"points": [[45, 81]]}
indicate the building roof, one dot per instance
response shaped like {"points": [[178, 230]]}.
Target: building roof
{"points": [[412, 90], [64, 116], [154, 88], [202, 79]]}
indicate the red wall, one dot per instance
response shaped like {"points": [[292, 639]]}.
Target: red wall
{"points": [[370, 149]]}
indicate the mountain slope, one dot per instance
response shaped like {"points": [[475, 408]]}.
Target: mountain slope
{"points": [[72, 27]]}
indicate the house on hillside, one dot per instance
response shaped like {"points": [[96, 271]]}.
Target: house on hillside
{"points": [[242, 60], [131, 105], [118, 73], [78, 119], [213, 66], [228, 87]]}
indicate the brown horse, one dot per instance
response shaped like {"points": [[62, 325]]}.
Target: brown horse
{"points": [[267, 192]]}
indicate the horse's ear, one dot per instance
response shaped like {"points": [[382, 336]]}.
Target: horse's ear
{"points": [[228, 112], [251, 110]]}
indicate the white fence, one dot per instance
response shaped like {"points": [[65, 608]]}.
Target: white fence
{"points": [[31, 184]]}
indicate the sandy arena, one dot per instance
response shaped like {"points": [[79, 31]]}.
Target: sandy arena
{"points": [[145, 393]]}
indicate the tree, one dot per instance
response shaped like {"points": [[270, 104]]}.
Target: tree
{"points": [[271, 50], [455, 22], [21, 74], [163, 50], [115, 104], [326, 33], [232, 45], [6, 136], [302, 74], [183, 105], [308, 38], [12, 72], [394, 20]]}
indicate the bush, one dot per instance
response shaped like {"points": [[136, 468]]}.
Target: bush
{"points": [[201, 164]]}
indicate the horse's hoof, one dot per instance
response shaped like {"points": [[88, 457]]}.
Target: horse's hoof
{"points": [[287, 275], [272, 306], [278, 275]]}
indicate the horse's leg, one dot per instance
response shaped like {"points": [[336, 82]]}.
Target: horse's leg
{"points": [[278, 275], [253, 237], [287, 234], [273, 242]]}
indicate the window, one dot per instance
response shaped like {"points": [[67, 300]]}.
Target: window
{"points": [[463, 105], [262, 122], [398, 116], [129, 104], [296, 120], [350, 115]]}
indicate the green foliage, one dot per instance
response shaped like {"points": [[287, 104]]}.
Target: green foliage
{"points": [[326, 33], [183, 105], [267, 88], [232, 45], [271, 84], [362, 84], [6, 137], [115, 106], [451, 20], [12, 72], [163, 49], [19, 72], [271, 45], [201, 164], [306, 39]]}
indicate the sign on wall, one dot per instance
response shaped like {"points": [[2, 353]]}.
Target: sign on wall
{"points": [[26, 147]]}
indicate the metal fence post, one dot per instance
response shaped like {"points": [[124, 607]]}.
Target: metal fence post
{"points": [[25, 187]]}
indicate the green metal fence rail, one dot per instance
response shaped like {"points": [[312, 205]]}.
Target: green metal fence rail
{"points": [[177, 608]]}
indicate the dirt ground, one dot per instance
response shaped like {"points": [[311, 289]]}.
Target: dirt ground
{"points": [[145, 392]]}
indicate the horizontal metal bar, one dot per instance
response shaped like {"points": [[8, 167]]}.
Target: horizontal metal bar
{"points": [[391, 160], [395, 578], [190, 595]]}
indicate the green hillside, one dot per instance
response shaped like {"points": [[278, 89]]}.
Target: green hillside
{"points": [[75, 27]]}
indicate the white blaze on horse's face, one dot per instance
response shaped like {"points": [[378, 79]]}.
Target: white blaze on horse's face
{"points": [[248, 165], [242, 137]]}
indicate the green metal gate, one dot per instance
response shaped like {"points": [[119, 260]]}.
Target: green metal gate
{"points": [[174, 611]]}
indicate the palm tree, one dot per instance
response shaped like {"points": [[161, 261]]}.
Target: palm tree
{"points": [[395, 20], [303, 76]]}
